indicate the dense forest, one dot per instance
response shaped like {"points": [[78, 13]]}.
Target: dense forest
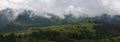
{"points": [[75, 32]]}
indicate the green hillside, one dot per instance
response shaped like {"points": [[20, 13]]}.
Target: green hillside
{"points": [[75, 32]]}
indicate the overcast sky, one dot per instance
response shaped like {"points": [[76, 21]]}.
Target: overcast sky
{"points": [[62, 7]]}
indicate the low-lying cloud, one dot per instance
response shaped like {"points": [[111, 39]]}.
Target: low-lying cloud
{"points": [[65, 7]]}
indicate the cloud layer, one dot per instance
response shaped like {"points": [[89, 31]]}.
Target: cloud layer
{"points": [[64, 7]]}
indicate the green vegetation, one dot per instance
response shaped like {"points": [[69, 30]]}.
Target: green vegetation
{"points": [[102, 28], [76, 32]]}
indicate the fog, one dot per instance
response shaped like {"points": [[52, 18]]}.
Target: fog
{"points": [[64, 7]]}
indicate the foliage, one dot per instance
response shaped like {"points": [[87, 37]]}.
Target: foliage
{"points": [[79, 32]]}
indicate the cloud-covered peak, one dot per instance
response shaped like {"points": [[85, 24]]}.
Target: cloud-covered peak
{"points": [[64, 7]]}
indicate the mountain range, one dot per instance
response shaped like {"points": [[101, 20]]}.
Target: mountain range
{"points": [[27, 18]]}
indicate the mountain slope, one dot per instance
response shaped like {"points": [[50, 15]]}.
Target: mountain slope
{"points": [[27, 18], [77, 32]]}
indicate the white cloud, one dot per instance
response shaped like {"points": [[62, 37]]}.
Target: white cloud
{"points": [[61, 7]]}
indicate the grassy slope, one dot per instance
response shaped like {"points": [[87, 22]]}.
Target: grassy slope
{"points": [[64, 31]]}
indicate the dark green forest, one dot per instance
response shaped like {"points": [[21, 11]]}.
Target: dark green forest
{"points": [[78, 32]]}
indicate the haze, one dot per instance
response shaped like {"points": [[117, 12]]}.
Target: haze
{"points": [[64, 7]]}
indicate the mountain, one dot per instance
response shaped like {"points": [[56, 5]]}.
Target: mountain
{"points": [[28, 27], [6, 15], [27, 18]]}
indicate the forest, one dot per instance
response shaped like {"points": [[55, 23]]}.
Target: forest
{"points": [[74, 32]]}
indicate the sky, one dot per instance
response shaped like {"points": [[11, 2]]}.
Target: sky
{"points": [[64, 7]]}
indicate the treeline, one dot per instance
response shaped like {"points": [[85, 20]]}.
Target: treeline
{"points": [[104, 18], [104, 32], [8, 38], [107, 30], [46, 36]]}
